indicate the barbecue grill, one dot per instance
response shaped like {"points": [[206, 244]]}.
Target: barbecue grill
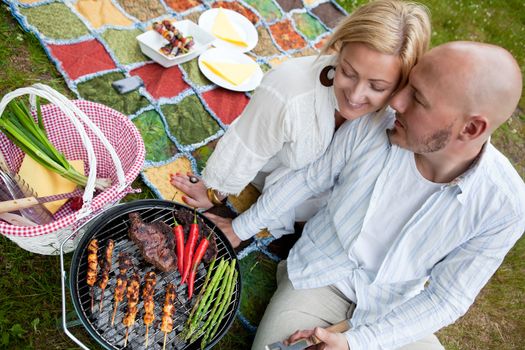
{"points": [[114, 224]]}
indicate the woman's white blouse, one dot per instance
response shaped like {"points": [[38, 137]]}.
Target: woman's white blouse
{"points": [[288, 123]]}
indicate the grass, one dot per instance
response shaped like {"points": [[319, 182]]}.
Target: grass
{"points": [[30, 302]]}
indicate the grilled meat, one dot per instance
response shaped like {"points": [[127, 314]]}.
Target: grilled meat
{"points": [[149, 304], [168, 310], [92, 268], [147, 295], [211, 251], [92, 262], [124, 265], [120, 288], [155, 241], [105, 267], [133, 299]]}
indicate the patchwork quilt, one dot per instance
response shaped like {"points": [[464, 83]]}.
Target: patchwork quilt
{"points": [[179, 112]]}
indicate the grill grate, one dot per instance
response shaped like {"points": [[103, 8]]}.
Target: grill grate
{"points": [[114, 225]]}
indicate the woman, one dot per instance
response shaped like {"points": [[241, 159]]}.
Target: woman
{"points": [[293, 114]]}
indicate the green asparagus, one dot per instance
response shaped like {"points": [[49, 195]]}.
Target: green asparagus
{"points": [[218, 301], [206, 299], [201, 293], [212, 330]]}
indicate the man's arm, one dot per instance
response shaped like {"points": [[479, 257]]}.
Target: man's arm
{"points": [[454, 284], [293, 189]]}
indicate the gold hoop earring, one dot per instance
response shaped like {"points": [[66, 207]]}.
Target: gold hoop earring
{"points": [[326, 77]]}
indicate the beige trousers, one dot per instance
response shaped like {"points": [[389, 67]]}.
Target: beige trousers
{"points": [[290, 310]]}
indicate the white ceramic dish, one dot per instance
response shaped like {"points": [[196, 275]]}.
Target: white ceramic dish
{"points": [[244, 27], [150, 43], [230, 56]]}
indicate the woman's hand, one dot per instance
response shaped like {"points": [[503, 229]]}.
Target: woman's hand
{"points": [[196, 195], [225, 225], [329, 340]]}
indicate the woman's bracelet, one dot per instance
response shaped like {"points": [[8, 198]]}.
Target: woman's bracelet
{"points": [[212, 196]]}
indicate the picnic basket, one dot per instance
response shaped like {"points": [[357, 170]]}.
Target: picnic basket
{"points": [[108, 143]]}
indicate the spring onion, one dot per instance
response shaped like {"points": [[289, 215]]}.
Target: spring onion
{"points": [[30, 136]]}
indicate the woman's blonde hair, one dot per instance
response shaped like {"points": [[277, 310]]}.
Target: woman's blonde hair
{"points": [[391, 27]]}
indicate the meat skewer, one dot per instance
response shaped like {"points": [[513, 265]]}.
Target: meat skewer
{"points": [[167, 312], [92, 268], [149, 304], [133, 299], [105, 267], [124, 263]]}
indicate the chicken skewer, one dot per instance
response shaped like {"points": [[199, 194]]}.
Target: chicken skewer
{"points": [[92, 268], [149, 305], [124, 264], [133, 299], [105, 267], [167, 312]]}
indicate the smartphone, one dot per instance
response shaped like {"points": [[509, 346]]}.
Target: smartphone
{"points": [[126, 85]]}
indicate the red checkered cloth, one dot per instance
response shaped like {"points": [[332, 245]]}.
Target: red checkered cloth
{"points": [[122, 135]]}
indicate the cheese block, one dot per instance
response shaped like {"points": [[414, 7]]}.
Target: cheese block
{"points": [[235, 73], [223, 29], [44, 182]]}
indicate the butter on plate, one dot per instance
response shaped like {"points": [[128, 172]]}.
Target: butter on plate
{"points": [[44, 182], [235, 73], [223, 29]]}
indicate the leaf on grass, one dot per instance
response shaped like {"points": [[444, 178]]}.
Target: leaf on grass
{"points": [[17, 330], [5, 338], [35, 323]]}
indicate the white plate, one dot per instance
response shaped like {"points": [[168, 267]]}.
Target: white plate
{"points": [[244, 27], [229, 56], [150, 43]]}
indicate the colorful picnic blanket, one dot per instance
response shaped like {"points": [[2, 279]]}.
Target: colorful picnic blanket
{"points": [[179, 112]]}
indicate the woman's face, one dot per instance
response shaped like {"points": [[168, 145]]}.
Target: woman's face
{"points": [[364, 80]]}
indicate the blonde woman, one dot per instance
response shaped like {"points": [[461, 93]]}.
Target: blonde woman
{"points": [[294, 113]]}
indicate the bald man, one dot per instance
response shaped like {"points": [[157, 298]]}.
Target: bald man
{"points": [[422, 211]]}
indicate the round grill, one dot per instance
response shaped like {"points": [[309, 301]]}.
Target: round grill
{"points": [[114, 224]]}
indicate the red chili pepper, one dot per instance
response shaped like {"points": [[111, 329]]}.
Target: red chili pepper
{"points": [[190, 247], [178, 231], [199, 253]]}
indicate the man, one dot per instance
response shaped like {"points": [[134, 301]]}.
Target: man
{"points": [[422, 211]]}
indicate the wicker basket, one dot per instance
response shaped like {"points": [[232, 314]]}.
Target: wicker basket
{"points": [[108, 143]]}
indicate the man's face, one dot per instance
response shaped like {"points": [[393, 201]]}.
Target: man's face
{"points": [[426, 119]]}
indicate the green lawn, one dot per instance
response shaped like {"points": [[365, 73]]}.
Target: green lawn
{"points": [[30, 309]]}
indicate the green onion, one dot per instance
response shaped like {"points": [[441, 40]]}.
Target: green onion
{"points": [[30, 136]]}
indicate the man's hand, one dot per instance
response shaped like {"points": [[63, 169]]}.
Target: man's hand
{"points": [[225, 225], [196, 195], [328, 340]]}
